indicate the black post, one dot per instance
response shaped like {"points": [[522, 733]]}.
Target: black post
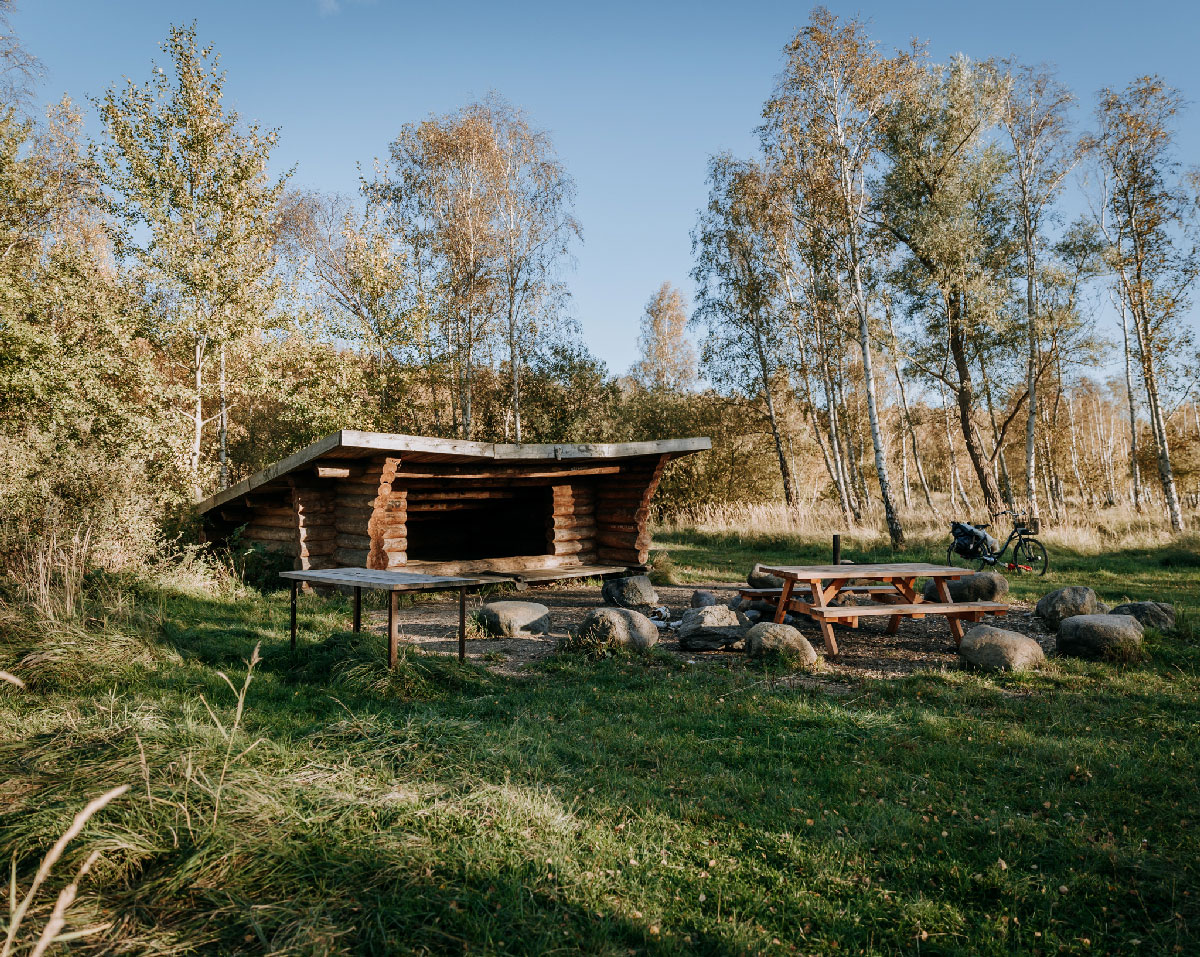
{"points": [[462, 624], [357, 608], [294, 586], [837, 549]]}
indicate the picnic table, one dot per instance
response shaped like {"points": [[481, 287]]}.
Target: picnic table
{"points": [[811, 589], [393, 583]]}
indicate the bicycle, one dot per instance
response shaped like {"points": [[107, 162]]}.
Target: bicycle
{"points": [[974, 548]]}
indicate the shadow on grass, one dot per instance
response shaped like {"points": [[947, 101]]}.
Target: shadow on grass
{"points": [[777, 804]]}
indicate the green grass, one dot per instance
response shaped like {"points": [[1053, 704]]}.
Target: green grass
{"points": [[631, 804]]}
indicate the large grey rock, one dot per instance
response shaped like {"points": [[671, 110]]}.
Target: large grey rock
{"points": [[769, 638], [1111, 637], [1159, 615], [514, 619], [710, 628], [619, 626], [702, 598], [996, 649], [760, 579], [983, 586], [632, 592], [1067, 603]]}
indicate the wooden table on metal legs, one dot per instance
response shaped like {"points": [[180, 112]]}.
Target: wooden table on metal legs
{"points": [[394, 583], [809, 589]]}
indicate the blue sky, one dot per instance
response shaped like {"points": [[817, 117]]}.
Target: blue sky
{"points": [[635, 95]]}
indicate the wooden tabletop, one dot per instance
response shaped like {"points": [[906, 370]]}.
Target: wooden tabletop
{"points": [[892, 570], [383, 580]]}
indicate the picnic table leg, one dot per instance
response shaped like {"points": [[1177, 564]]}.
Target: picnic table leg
{"points": [[462, 624], [393, 628], [908, 591], [956, 628], [819, 601], [294, 588], [784, 597], [357, 608]]}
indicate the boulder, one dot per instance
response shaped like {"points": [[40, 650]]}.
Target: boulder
{"points": [[514, 619], [760, 579], [1111, 637], [983, 586], [701, 598], [710, 628], [622, 627], [1159, 615], [632, 592], [1067, 603], [996, 649], [770, 638]]}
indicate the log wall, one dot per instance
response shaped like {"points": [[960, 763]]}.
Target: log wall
{"points": [[571, 527], [272, 522], [312, 515], [623, 512]]}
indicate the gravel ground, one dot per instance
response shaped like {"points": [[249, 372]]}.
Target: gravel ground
{"points": [[866, 652]]}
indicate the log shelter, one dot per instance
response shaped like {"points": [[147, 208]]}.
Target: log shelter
{"points": [[450, 507]]}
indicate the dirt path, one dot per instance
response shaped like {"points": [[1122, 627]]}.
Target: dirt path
{"points": [[866, 652]]}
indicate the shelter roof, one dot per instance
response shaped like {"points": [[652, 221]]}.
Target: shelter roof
{"points": [[350, 444]]}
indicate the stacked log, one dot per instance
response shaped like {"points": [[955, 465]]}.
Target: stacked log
{"points": [[388, 525], [571, 529], [353, 505], [623, 512], [313, 518], [272, 524]]}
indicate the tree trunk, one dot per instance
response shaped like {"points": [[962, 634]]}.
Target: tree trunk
{"points": [[224, 453], [912, 433], [197, 415], [514, 369], [956, 484], [789, 491], [964, 393], [1031, 364]]}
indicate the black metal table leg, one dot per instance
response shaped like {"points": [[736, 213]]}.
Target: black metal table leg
{"points": [[358, 609], [393, 628], [462, 624], [295, 587]]}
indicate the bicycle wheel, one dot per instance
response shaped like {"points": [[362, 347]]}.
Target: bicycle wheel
{"points": [[1032, 553]]}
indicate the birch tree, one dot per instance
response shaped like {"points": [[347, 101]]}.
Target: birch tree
{"points": [[1148, 221], [831, 107], [193, 205], [438, 188], [738, 294], [668, 359], [940, 200], [1035, 117], [535, 229]]}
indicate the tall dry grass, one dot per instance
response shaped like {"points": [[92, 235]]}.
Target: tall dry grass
{"points": [[1083, 531]]}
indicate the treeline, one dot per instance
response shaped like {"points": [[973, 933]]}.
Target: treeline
{"points": [[902, 228], [892, 311]]}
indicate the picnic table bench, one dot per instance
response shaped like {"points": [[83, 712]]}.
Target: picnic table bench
{"points": [[393, 583], [811, 589]]}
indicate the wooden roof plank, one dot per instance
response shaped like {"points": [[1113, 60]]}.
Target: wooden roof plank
{"points": [[351, 444]]}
